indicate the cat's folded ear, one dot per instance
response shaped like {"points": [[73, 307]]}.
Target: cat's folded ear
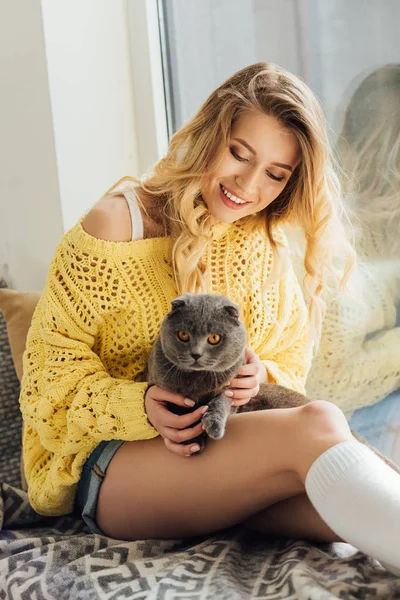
{"points": [[232, 311], [177, 303]]}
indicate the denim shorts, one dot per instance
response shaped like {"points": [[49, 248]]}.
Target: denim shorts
{"points": [[93, 473]]}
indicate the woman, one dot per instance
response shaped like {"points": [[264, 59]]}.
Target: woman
{"points": [[254, 156]]}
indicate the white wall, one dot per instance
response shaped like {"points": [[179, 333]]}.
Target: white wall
{"points": [[67, 124], [91, 96], [30, 211]]}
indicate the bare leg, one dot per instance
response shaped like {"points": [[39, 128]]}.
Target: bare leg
{"points": [[149, 492], [294, 517]]}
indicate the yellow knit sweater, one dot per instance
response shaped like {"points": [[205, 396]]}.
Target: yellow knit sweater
{"points": [[92, 331]]}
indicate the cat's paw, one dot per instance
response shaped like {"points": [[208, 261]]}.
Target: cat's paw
{"points": [[214, 428]]}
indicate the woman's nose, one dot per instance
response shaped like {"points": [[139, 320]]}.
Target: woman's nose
{"points": [[248, 181]]}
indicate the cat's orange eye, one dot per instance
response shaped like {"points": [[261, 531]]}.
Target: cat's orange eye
{"points": [[214, 338], [183, 336]]}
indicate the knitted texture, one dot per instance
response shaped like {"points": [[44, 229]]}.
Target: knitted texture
{"points": [[358, 360], [93, 329]]}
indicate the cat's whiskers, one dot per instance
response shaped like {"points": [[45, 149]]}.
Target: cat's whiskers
{"points": [[171, 368], [210, 362]]}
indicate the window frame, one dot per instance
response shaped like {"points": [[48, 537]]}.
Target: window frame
{"points": [[150, 107]]}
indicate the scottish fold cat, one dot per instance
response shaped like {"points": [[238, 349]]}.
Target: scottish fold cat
{"points": [[200, 347]]}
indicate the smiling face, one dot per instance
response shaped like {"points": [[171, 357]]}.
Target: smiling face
{"points": [[255, 168]]}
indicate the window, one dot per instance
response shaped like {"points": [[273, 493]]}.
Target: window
{"points": [[336, 46]]}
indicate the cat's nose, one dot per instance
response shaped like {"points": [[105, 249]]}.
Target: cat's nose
{"points": [[195, 356]]}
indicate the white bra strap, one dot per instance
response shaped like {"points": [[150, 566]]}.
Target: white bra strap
{"points": [[136, 215]]}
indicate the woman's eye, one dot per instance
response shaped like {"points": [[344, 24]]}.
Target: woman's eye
{"points": [[214, 338], [183, 336], [271, 175], [236, 155], [274, 177]]}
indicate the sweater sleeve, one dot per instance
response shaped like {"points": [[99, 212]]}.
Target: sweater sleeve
{"points": [[67, 395], [286, 350]]}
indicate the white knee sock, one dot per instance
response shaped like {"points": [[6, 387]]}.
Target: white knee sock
{"points": [[358, 496]]}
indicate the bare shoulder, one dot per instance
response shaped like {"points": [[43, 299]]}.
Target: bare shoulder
{"points": [[109, 220]]}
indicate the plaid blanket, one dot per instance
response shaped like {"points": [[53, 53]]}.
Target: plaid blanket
{"points": [[56, 558]]}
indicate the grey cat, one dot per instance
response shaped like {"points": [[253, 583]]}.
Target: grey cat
{"points": [[200, 347], [199, 367]]}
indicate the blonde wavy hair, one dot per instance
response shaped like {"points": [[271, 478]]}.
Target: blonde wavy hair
{"points": [[369, 151], [311, 198]]}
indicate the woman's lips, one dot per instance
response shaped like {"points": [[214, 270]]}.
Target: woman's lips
{"points": [[230, 203]]}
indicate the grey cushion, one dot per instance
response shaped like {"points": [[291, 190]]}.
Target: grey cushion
{"points": [[10, 416]]}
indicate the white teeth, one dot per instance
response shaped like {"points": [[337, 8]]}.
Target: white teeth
{"points": [[232, 197]]}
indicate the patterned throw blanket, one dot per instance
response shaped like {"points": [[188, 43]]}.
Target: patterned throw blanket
{"points": [[56, 558]]}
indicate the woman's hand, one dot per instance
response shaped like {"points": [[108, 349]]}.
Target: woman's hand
{"points": [[246, 383], [175, 429]]}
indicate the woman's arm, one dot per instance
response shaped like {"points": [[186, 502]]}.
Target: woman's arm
{"points": [[67, 393]]}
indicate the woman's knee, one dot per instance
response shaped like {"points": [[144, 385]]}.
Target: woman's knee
{"points": [[321, 425], [322, 418]]}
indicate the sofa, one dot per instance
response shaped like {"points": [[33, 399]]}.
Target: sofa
{"points": [[49, 557]]}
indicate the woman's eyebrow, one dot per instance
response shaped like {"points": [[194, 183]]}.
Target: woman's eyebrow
{"points": [[288, 167]]}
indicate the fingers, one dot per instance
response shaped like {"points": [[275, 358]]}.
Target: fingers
{"points": [[182, 435], [174, 437], [249, 354], [249, 388], [247, 370], [241, 402], [158, 393], [181, 449], [243, 394], [245, 383], [183, 421]]}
